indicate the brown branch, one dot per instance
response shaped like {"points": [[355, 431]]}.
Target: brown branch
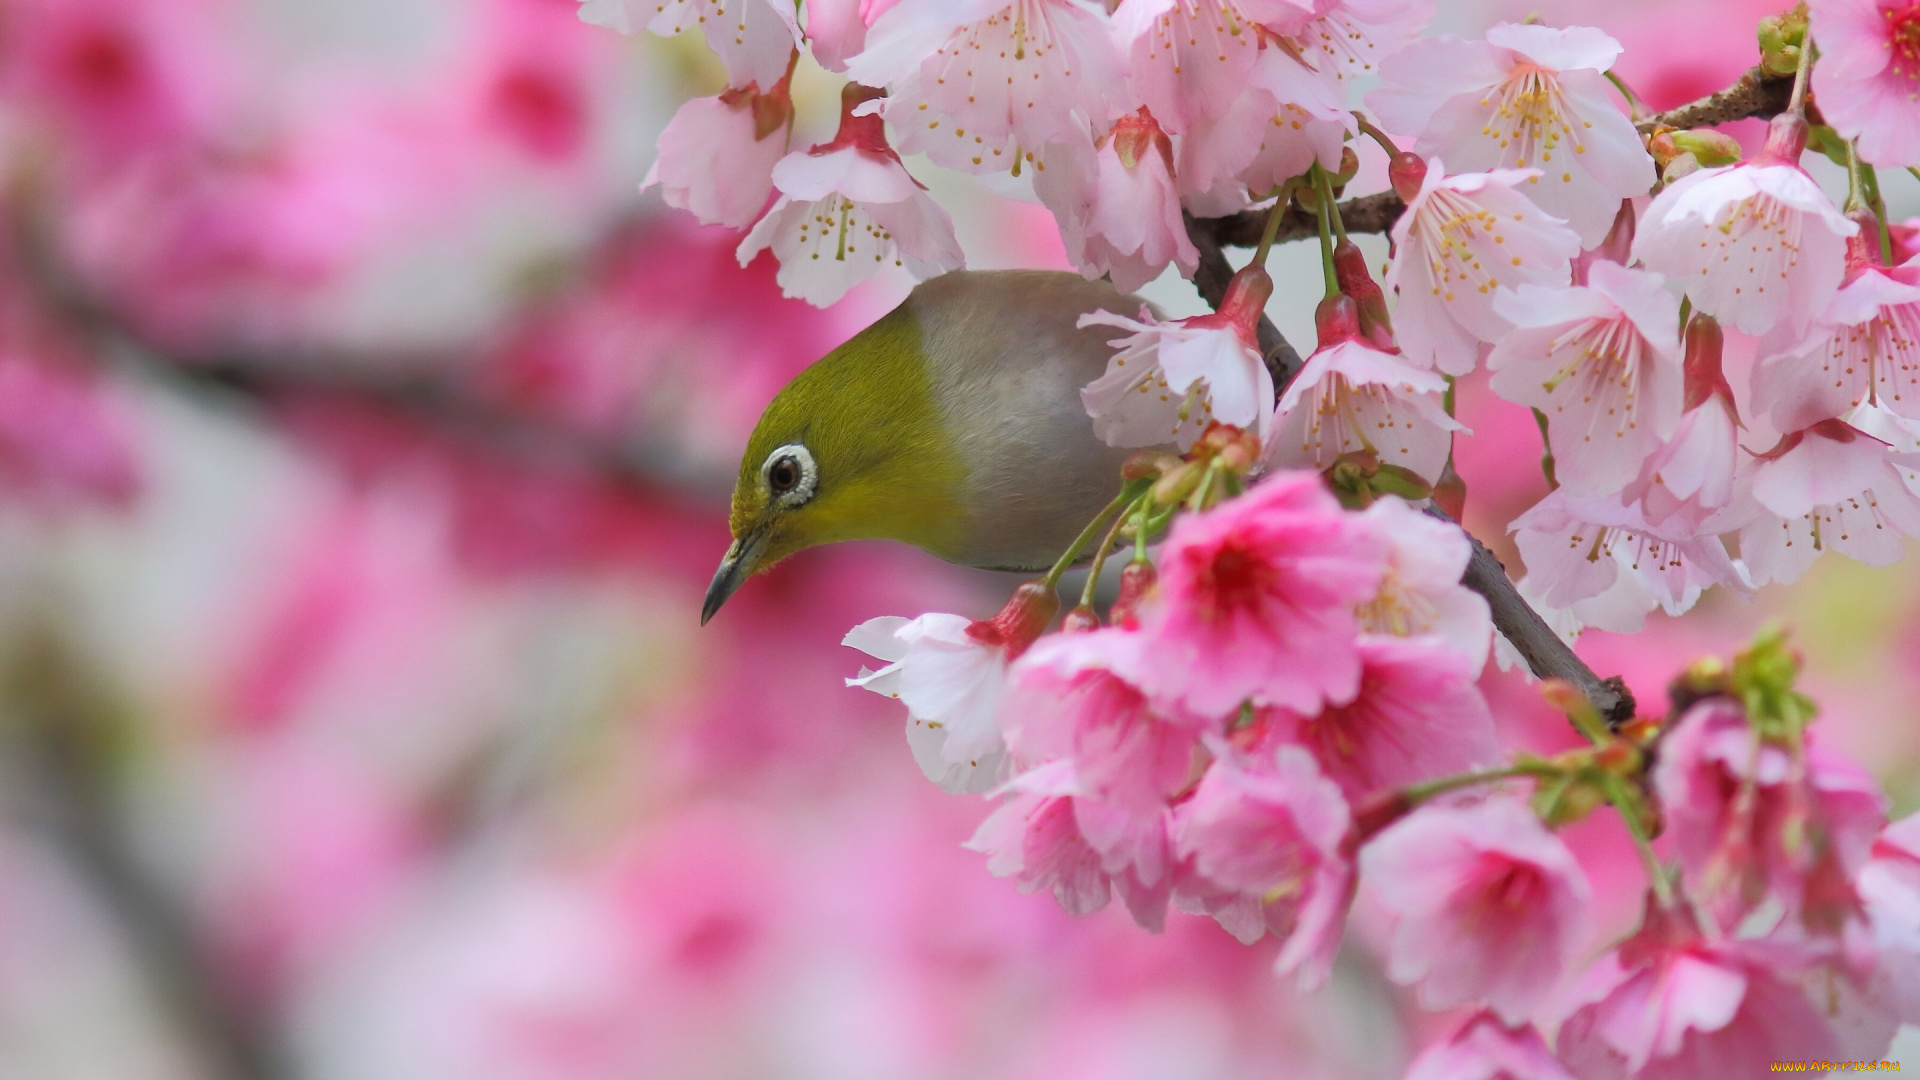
{"points": [[1757, 95]]}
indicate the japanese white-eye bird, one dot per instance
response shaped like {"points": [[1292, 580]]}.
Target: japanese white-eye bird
{"points": [[954, 424]]}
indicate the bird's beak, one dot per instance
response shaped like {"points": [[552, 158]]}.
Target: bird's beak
{"points": [[741, 556]]}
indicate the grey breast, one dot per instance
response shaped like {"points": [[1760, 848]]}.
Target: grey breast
{"points": [[1010, 363]]}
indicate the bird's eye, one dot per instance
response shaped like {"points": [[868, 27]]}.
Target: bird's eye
{"points": [[790, 475], [783, 476]]}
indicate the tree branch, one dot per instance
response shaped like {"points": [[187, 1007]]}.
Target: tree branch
{"points": [[1756, 95]]}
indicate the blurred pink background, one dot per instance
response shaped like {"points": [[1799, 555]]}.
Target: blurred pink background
{"points": [[364, 445]]}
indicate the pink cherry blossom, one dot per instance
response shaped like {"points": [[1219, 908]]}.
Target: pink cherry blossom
{"points": [[837, 29], [1486, 904], [1828, 487], [753, 38], [1756, 244], [1040, 837], [1486, 1049], [1865, 346], [1461, 239], [1071, 701], [1288, 118], [1256, 601], [1606, 563], [1352, 397], [846, 210], [1264, 838], [975, 83], [1188, 60], [1528, 97], [1421, 596], [1889, 886], [1602, 361], [1417, 715], [1690, 476], [1868, 73], [1347, 39], [1168, 381], [61, 436], [717, 155], [1752, 823], [1118, 206], [1670, 1005]]}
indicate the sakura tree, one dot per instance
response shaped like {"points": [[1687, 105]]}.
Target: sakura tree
{"points": [[1281, 710]]}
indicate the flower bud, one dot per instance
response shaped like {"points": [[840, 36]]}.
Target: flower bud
{"points": [[1786, 140], [1781, 37], [1336, 319], [1350, 268], [1080, 620], [1711, 148], [1704, 377], [1021, 622], [1450, 493], [1178, 483], [1148, 465], [1349, 168], [1136, 582], [1407, 171]]}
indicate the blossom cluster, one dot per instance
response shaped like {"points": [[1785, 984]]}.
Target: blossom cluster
{"points": [[1282, 708]]}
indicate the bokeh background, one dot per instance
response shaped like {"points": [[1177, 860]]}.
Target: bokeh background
{"points": [[364, 443]]}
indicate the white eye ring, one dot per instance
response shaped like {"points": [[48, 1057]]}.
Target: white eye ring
{"points": [[796, 457]]}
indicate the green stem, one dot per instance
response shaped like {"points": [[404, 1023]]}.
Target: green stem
{"points": [[1282, 199], [1141, 511], [1128, 493], [1635, 107], [1374, 133], [1100, 558], [1870, 180], [1446, 399], [1324, 209], [1686, 312], [1856, 187], [1323, 184], [1416, 794], [1656, 870], [1797, 102]]}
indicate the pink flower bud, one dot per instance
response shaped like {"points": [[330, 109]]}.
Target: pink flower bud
{"points": [[1407, 171], [1021, 622]]}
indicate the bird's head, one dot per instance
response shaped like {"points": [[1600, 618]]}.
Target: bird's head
{"points": [[853, 448]]}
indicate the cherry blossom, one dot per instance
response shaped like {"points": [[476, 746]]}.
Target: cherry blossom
{"points": [[974, 83], [1485, 1049], [1868, 73], [1461, 239], [1256, 601], [753, 38], [1075, 704], [1417, 715], [1528, 97], [1609, 566], [1264, 838], [1671, 1005], [1486, 905], [1188, 60], [1889, 886], [1755, 822], [1352, 397], [1756, 244], [1827, 487], [846, 210], [1864, 346], [953, 718], [1167, 381], [1690, 476], [1602, 361], [1421, 596], [1118, 206], [1040, 836], [1288, 118], [717, 155]]}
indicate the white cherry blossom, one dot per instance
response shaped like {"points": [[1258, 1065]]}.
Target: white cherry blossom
{"points": [[753, 38], [1756, 244], [1602, 361], [1528, 97]]}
